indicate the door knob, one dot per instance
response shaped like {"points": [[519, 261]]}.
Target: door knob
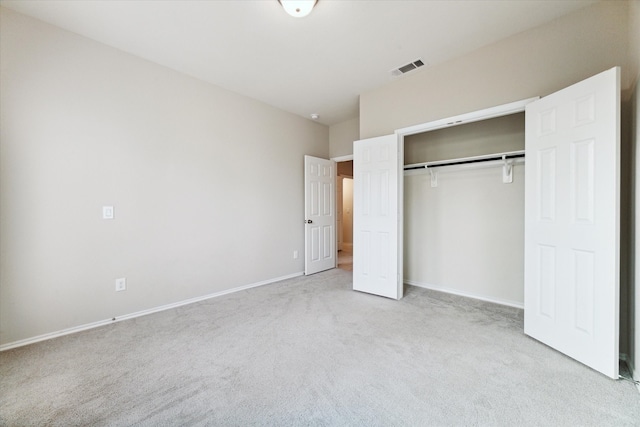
{"points": [[309, 221]]}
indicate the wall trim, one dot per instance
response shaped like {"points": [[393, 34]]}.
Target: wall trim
{"points": [[465, 294], [99, 323], [474, 116], [634, 374]]}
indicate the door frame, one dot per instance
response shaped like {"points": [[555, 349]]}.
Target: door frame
{"points": [[474, 116], [462, 119]]}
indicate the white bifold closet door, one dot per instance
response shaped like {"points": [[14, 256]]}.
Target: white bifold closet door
{"points": [[377, 236], [572, 211]]}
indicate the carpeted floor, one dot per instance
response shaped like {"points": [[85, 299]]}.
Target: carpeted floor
{"points": [[310, 351]]}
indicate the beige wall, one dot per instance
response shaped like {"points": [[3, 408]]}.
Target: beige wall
{"points": [[341, 137], [207, 185], [498, 135], [533, 63], [634, 41], [347, 210], [345, 168]]}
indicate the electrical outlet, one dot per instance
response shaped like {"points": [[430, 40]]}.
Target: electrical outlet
{"points": [[121, 284], [295, 254]]}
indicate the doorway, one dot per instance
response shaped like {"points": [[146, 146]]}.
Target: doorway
{"points": [[344, 214]]}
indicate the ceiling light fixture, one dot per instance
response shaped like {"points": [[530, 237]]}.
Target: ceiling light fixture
{"points": [[298, 8], [315, 116]]}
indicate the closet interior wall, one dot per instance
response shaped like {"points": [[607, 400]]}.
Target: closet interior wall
{"points": [[466, 235]]}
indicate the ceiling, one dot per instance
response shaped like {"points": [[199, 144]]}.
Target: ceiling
{"points": [[317, 64]]}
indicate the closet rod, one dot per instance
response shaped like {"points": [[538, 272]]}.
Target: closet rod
{"points": [[467, 160]]}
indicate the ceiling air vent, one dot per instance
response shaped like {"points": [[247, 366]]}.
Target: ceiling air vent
{"points": [[407, 67]]}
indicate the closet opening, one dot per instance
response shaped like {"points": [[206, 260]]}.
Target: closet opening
{"points": [[463, 210]]}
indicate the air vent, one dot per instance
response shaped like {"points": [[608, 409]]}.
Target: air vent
{"points": [[407, 68]]}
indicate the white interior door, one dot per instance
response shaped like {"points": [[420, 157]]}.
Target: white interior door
{"points": [[572, 199], [377, 226], [319, 211]]}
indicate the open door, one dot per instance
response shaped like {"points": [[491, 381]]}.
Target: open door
{"points": [[319, 211], [377, 225], [572, 228]]}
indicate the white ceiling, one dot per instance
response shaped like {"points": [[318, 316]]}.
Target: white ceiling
{"points": [[318, 64]]}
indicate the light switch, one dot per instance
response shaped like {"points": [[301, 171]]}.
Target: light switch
{"points": [[107, 212]]}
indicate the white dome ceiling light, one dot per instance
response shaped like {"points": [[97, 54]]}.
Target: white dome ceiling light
{"points": [[298, 8]]}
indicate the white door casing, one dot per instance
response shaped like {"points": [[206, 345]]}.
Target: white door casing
{"points": [[319, 211], [572, 228], [377, 226], [339, 221]]}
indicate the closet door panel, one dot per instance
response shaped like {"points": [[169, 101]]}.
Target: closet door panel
{"points": [[377, 267], [572, 198]]}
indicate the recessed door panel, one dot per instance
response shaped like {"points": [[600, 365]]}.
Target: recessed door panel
{"points": [[583, 181], [547, 281], [547, 188], [584, 290]]}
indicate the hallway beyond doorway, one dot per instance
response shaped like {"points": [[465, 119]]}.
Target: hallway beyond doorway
{"points": [[345, 257]]}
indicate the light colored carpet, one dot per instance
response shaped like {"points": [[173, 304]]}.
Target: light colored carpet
{"points": [[310, 351]]}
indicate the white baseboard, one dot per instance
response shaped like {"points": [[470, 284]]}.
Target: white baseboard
{"points": [[465, 294], [634, 373], [99, 323]]}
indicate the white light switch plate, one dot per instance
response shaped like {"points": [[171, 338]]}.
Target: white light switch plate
{"points": [[107, 212]]}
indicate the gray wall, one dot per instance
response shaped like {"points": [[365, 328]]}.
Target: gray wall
{"points": [[207, 185]]}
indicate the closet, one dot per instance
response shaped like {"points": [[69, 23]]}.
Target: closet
{"points": [[464, 209], [483, 231]]}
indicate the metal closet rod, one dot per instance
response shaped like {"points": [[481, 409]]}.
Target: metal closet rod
{"points": [[467, 160]]}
